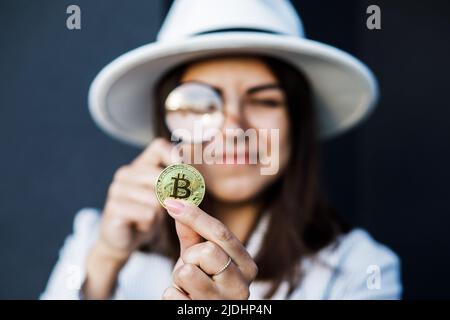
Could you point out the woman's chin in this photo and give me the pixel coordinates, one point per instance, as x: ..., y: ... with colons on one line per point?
x: 233, y: 198
x: 236, y: 190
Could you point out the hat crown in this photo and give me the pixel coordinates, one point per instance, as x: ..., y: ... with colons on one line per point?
x: 187, y: 18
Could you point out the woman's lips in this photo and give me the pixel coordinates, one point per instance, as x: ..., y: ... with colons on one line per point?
x: 237, y: 158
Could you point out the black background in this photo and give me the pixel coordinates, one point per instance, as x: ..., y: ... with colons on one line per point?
x: 390, y: 175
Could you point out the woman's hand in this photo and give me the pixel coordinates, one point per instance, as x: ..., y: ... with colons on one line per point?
x: 132, y: 209
x: 130, y: 216
x: 194, y: 274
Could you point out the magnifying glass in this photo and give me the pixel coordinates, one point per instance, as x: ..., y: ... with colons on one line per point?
x: 194, y: 112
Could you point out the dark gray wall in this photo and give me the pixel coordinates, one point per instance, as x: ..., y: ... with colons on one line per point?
x: 389, y: 176
x: 53, y: 158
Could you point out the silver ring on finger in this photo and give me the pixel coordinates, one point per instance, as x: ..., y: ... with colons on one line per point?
x: 223, y: 268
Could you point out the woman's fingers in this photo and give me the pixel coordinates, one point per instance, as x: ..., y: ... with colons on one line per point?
x: 213, y: 230
x: 207, y: 255
x: 173, y: 293
x: 131, y: 197
x: 195, y: 282
x: 210, y: 258
x: 133, y: 193
x: 138, y: 175
x: 159, y: 153
x: 141, y: 215
x: 186, y: 236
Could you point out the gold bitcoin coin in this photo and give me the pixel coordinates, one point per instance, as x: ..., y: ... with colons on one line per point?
x: 180, y: 181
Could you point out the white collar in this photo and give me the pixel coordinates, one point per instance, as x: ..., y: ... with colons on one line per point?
x: 255, y: 241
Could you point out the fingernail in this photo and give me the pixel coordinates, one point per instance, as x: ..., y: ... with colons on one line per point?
x: 176, y: 207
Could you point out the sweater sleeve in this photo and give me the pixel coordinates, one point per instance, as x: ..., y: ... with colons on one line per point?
x: 368, y: 270
x: 69, y: 273
x: 356, y: 267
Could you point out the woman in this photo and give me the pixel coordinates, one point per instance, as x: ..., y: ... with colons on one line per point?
x: 254, y: 235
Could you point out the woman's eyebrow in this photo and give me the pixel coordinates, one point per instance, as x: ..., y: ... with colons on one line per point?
x: 249, y: 91
x: 263, y: 87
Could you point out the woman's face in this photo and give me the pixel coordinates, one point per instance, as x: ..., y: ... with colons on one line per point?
x: 254, y: 103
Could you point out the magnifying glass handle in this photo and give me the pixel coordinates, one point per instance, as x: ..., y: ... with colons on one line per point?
x: 177, y: 146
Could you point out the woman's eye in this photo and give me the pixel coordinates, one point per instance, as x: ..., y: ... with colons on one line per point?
x: 268, y: 103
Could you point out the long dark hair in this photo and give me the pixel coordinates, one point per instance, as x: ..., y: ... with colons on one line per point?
x: 301, y: 222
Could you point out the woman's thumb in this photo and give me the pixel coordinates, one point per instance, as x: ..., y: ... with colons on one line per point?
x: 187, y: 236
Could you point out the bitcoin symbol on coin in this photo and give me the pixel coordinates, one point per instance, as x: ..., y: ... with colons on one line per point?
x: 186, y: 192
x: 180, y: 181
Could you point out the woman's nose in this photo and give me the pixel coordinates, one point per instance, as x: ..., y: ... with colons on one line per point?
x: 233, y: 114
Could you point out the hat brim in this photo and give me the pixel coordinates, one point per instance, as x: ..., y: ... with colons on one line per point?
x: 120, y: 97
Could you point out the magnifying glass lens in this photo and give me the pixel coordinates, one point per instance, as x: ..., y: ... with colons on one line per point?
x: 194, y: 112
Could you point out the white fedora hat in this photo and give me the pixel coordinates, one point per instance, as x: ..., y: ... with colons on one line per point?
x: 344, y: 89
